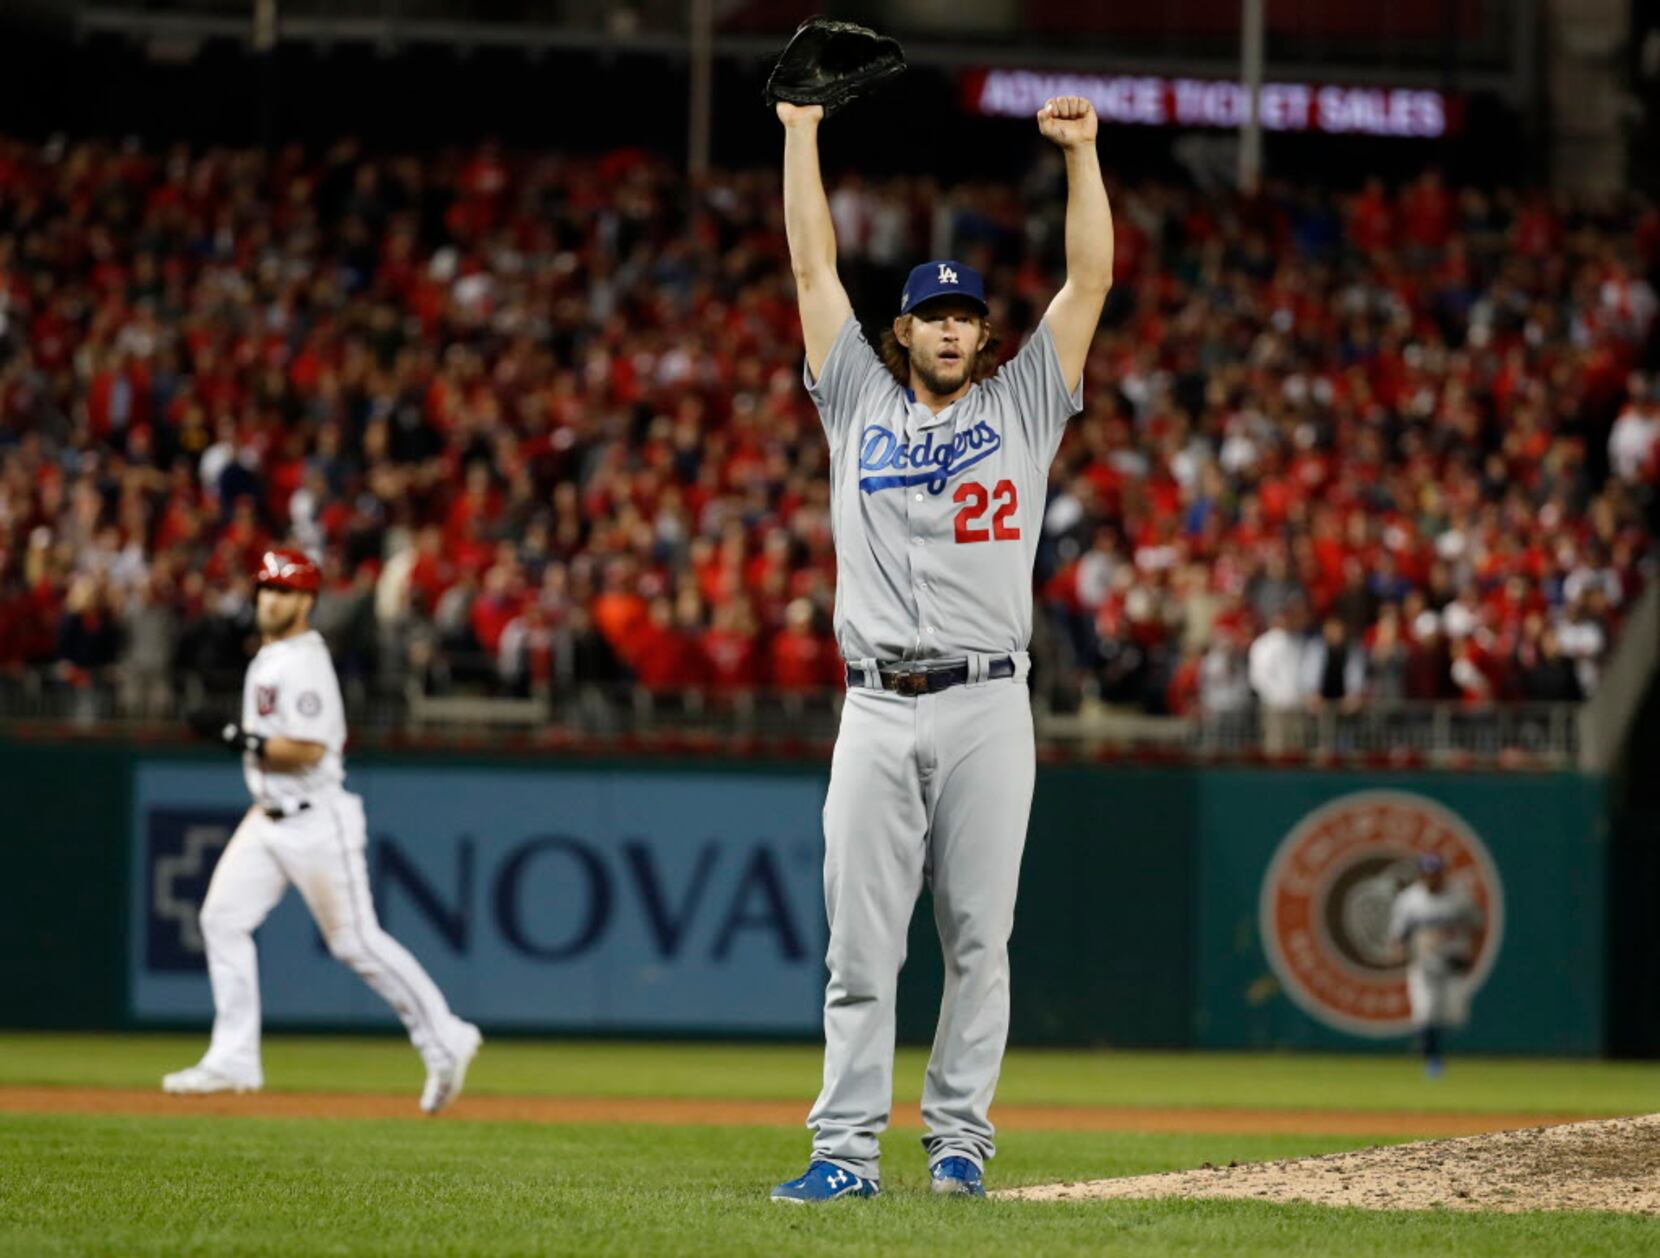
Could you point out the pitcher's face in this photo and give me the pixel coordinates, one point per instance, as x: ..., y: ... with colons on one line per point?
x: 944, y: 338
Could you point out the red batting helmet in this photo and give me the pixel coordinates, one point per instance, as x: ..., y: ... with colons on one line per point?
x: 285, y: 569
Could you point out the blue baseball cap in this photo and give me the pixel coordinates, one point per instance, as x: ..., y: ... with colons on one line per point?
x: 942, y: 279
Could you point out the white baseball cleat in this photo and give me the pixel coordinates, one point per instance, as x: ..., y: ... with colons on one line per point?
x: 444, y: 1082
x: 201, y: 1081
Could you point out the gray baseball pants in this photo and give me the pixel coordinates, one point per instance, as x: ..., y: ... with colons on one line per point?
x: 936, y: 788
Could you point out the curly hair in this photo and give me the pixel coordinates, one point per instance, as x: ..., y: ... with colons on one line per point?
x: 897, y: 359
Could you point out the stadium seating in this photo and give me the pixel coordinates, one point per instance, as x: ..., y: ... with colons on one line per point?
x: 542, y: 419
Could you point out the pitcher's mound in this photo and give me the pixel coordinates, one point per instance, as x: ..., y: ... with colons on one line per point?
x: 1608, y: 1165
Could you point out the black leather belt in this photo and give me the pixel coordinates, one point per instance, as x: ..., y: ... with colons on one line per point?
x: 918, y: 679
x: 277, y: 814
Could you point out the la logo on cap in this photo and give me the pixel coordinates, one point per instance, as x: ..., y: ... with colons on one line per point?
x: 947, y: 275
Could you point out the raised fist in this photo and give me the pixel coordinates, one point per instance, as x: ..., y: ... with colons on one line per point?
x: 1068, y: 120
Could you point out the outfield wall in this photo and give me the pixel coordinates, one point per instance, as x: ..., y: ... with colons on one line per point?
x: 1169, y: 906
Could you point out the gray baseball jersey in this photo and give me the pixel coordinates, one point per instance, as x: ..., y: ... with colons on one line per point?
x: 1437, y: 927
x: 1439, y: 930
x: 936, y: 523
x: 936, y: 517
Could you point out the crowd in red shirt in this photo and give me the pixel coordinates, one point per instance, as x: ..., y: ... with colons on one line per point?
x: 1391, y: 412
x: 542, y: 417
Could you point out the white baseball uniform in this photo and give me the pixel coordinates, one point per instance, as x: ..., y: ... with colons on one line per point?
x: 1438, y: 929
x: 304, y: 828
x: 936, y: 520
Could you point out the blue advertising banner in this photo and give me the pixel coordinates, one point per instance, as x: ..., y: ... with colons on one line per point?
x: 594, y: 899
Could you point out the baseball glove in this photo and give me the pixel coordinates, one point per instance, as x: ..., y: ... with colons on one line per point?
x: 215, y: 727
x: 831, y: 63
x: 207, y: 722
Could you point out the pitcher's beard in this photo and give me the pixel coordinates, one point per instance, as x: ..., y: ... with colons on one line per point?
x: 939, y: 384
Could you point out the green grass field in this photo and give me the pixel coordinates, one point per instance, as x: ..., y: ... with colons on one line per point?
x: 81, y: 1184
x: 791, y: 1072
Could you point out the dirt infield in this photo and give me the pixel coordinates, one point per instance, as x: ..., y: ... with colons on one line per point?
x: 1611, y: 1164
x: 727, y: 1113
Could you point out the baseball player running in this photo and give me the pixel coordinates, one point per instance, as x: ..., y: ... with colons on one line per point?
x: 303, y: 829
x: 938, y: 475
x: 1435, y: 923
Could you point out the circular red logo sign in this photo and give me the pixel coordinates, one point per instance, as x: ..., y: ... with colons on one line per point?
x: 1327, y: 895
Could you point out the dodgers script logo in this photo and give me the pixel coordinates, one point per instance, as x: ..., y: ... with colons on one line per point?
x: 925, y: 462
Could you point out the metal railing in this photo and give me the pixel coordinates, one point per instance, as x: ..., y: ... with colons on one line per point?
x: 1520, y: 735
x: 1537, y: 735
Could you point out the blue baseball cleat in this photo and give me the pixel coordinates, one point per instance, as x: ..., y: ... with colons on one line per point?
x: 824, y: 1182
x: 957, y: 1177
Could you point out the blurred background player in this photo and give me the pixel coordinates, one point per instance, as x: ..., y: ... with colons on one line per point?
x: 303, y: 828
x: 1435, y: 924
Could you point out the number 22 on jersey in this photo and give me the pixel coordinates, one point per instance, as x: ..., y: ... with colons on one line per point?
x: 975, y: 502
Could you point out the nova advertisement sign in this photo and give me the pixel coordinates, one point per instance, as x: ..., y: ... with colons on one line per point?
x: 541, y: 900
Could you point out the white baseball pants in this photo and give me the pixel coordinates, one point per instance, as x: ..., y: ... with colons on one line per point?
x: 320, y: 851
x: 1437, y: 998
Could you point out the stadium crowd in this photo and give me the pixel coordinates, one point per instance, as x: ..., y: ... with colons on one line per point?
x: 541, y: 418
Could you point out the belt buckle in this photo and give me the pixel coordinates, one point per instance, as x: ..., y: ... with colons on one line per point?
x: 911, y: 682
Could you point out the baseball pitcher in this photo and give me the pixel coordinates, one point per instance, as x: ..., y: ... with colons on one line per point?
x: 939, y: 467
x: 305, y: 829
x: 1435, y: 923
